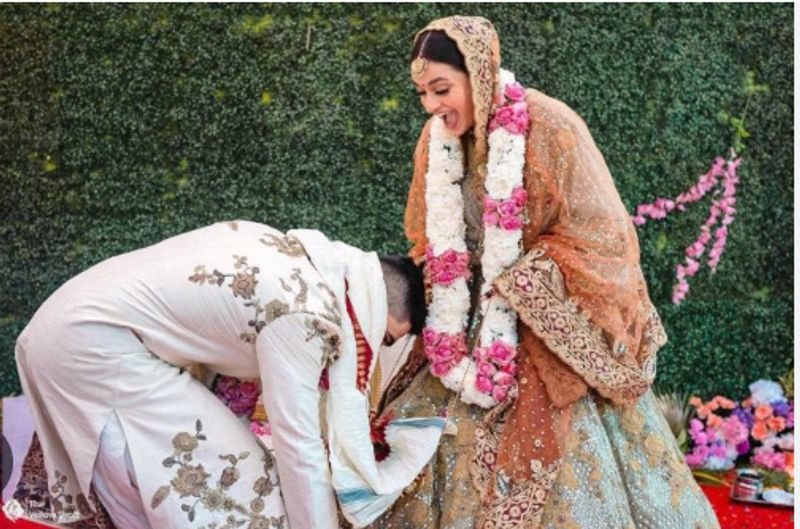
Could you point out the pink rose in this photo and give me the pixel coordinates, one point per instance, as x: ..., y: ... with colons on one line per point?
x: 450, y: 256
x: 445, y: 278
x: 504, y: 115
x: 511, y: 368
x: 242, y: 407
x: 486, y: 369
x: 481, y: 354
x: 260, y: 429
x: 518, y: 124
x: 484, y: 384
x: 491, y: 219
x: 501, y: 352
x: 515, y: 92
x: 520, y: 196
x: 440, y: 369
x: 511, y: 223
x: 509, y: 208
x: 490, y: 204
x: 499, y: 393
x: 501, y: 378
x: 250, y: 389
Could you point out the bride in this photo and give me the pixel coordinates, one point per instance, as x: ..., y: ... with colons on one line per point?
x: 541, y: 339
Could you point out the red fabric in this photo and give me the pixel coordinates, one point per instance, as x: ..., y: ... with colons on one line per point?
x: 735, y: 515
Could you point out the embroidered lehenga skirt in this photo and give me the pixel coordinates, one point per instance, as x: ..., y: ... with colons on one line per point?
x: 622, y: 469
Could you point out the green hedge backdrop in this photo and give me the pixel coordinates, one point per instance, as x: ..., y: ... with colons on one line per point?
x: 122, y: 125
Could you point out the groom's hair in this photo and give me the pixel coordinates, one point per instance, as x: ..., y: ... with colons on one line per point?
x: 405, y: 290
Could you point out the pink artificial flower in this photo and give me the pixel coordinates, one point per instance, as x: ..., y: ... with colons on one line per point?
x: 515, y: 92
x: 440, y: 369
x: 486, y: 369
x: 503, y: 116
x: 509, y: 208
x: 499, y: 393
x: 484, y: 384
x: 501, y: 352
x: 491, y: 219
x: 734, y: 431
x: 718, y: 450
x: 250, y: 389
x: 519, y: 123
x: 510, y: 368
x: 520, y: 195
x: 260, y: 429
x: 447, y: 267
x: 501, y: 378
x: 766, y: 457
x: 511, y: 223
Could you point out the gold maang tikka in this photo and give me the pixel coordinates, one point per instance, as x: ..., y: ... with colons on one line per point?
x: 418, y: 67
x: 420, y: 64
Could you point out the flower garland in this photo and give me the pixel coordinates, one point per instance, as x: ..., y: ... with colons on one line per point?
x: 725, y: 205
x: 486, y: 376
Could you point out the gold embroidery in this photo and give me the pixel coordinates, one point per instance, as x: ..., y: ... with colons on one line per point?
x: 331, y: 340
x: 331, y: 313
x: 535, y: 289
x: 191, y: 481
x: 286, y: 245
x: 302, y: 295
x: 243, y: 284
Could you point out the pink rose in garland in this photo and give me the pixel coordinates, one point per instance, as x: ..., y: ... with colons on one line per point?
x: 515, y: 92
x: 513, y: 115
x: 508, y: 213
x: 496, y: 369
x: 443, y: 350
x: 448, y: 267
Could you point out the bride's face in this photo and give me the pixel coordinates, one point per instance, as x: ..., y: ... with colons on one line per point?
x: 446, y: 92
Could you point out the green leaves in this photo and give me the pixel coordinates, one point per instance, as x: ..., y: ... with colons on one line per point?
x: 162, y: 118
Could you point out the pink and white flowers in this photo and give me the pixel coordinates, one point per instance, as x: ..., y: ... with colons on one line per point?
x: 759, y: 430
x: 486, y: 376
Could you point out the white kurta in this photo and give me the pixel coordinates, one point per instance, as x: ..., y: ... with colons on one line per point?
x: 244, y: 300
x: 241, y: 299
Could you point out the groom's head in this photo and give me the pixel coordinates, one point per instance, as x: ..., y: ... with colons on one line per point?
x: 405, y: 295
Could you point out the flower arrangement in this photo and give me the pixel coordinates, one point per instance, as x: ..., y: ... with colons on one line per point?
x: 486, y: 375
x: 758, y: 431
x: 240, y: 396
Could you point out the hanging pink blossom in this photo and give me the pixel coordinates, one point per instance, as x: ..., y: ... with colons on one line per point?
x: 722, y: 179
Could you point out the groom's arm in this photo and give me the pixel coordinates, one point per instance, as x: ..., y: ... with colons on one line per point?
x: 291, y: 356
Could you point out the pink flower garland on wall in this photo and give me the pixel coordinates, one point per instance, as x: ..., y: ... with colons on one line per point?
x: 721, y: 179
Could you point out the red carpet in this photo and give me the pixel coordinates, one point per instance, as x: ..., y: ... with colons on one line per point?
x: 731, y: 515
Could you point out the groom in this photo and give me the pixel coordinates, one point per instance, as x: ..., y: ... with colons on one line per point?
x: 100, y: 364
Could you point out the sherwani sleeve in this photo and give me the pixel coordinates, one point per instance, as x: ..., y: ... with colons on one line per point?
x: 291, y: 359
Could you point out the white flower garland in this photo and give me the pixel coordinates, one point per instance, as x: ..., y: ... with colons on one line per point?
x: 486, y: 376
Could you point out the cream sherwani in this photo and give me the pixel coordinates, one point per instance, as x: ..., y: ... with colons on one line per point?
x: 102, y: 358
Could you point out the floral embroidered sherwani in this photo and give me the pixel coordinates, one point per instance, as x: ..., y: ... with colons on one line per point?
x: 106, y: 350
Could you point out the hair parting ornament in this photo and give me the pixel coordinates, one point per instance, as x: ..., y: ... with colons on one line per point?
x: 420, y: 63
